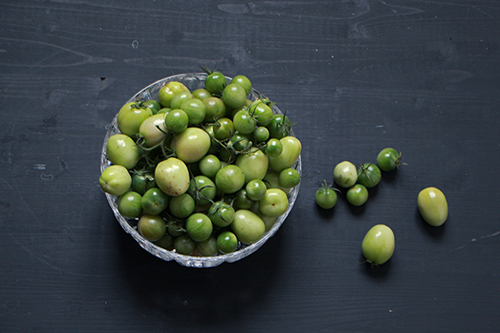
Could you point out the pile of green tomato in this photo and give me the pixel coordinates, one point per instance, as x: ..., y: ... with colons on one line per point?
x: 202, y: 172
x: 379, y: 242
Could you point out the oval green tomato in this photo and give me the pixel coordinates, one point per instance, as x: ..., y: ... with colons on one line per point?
x: 254, y: 164
x: 172, y: 176
x: 192, y: 144
x: 345, y: 174
x: 248, y: 226
x: 130, y: 118
x: 153, y: 130
x: 378, y: 244
x: 289, y: 155
x: 433, y: 206
x: 115, y: 180
x: 274, y: 203
x: 122, y: 150
x: 168, y: 91
x: 230, y: 179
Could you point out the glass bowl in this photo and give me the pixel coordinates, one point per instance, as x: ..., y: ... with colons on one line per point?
x: 192, y: 81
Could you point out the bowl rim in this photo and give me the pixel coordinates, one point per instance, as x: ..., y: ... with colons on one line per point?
x: 172, y: 255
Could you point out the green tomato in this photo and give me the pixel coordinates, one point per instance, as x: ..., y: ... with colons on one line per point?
x: 154, y: 201
x: 172, y: 176
x: 234, y: 96
x: 433, y: 206
x: 271, y: 179
x: 378, y: 244
x: 176, y: 228
x: 183, y: 244
x: 256, y: 189
x: 179, y: 99
x: 248, y: 226
x: 221, y: 214
x: 199, y: 227
x: 274, y: 147
x: 369, y: 175
x: 357, y: 195
x: 230, y: 179
x: 208, y: 247
x: 239, y: 143
x: 182, y: 205
x: 122, y: 150
x: 115, y: 180
x: 227, y: 242
x: 261, y: 134
x: 254, y: 164
x: 388, y: 159
x: 143, y: 181
x: 223, y: 129
x: 244, y: 123
x: 191, y: 145
x: 262, y: 113
x: 166, y: 242
x: 244, y: 82
x: 202, y: 189
x: 215, y: 82
x: 326, y: 196
x: 152, y: 104
x: 153, y: 130
x: 241, y: 200
x: 130, y: 118
x: 289, y: 178
x: 268, y: 220
x: 201, y: 94
x: 195, y: 109
x: 129, y: 205
x: 279, y: 127
x: 290, y: 154
x: 345, y: 174
x: 209, y: 165
x: 176, y: 121
x: 168, y: 91
x: 214, y: 109
x: 274, y: 203
x: 151, y: 227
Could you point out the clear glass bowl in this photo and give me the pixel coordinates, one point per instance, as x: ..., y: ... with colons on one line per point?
x: 193, y: 81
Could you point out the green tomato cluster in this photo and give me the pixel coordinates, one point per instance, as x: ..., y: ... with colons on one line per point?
x: 357, y: 180
x: 202, y: 172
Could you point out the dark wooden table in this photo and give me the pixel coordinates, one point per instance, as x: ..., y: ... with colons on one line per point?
x: 355, y: 76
